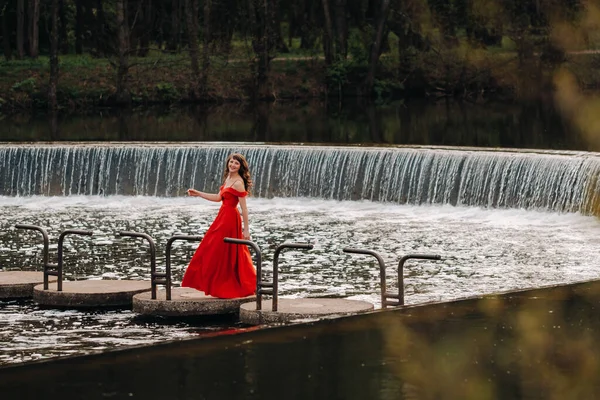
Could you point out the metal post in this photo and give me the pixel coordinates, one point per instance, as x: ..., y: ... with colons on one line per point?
x: 61, y: 239
x: 306, y: 246
x: 45, y: 256
x: 168, y: 259
x: 153, y: 274
x: 401, y: 272
x: 259, y: 283
x: 384, y: 295
x: 381, y: 270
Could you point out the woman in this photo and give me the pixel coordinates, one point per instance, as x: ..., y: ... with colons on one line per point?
x: 217, y: 268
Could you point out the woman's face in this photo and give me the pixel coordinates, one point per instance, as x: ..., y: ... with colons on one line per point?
x: 233, y: 165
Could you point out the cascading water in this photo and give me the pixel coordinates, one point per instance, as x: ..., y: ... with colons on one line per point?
x: 562, y: 182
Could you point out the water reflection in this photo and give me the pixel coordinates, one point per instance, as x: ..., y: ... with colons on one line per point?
x: 534, y: 125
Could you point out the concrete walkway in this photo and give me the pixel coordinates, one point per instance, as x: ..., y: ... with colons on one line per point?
x: 19, y: 284
x: 186, y: 302
x: 305, y: 308
x: 90, y: 293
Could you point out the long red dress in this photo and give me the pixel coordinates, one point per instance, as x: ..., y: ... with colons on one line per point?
x: 222, y: 269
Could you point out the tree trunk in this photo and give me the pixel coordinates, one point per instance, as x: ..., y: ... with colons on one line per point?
x: 174, y: 40
x: 122, y: 96
x: 341, y: 28
x: 34, y: 35
x: 293, y: 30
x: 88, y: 31
x: 206, y: 37
x: 161, y: 18
x: 20, y: 29
x: 262, y: 42
x: 78, y: 26
x: 327, y: 34
x: 307, y: 26
x: 102, y: 47
x: 52, y: 100
x: 191, y: 17
x: 6, y: 33
x: 376, y: 46
x: 256, y: 44
x: 134, y: 14
x: 146, y: 29
x: 279, y: 40
x: 63, y: 39
x: 263, y: 16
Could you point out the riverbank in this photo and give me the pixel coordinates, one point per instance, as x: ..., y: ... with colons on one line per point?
x: 476, y: 75
x: 87, y: 82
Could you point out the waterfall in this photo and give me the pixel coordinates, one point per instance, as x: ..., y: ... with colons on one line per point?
x: 562, y: 182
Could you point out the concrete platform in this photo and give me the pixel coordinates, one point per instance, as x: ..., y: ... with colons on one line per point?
x: 90, y: 293
x: 293, y: 309
x: 19, y: 284
x: 186, y: 302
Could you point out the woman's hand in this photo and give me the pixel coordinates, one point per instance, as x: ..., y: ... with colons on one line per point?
x: 193, y: 192
x: 246, y: 234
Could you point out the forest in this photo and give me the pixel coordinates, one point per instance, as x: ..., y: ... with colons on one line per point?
x: 76, y: 54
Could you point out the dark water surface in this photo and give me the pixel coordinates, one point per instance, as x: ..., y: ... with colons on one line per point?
x: 540, y: 344
x: 536, y: 125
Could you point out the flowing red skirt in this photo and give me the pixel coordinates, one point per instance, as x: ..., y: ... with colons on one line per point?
x: 222, y: 269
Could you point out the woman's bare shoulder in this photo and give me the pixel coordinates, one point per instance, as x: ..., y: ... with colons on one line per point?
x: 239, y: 186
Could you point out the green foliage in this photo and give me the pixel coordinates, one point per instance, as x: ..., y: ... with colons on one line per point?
x: 507, y: 44
x: 166, y: 91
x: 81, y: 61
x: 351, y: 71
x: 26, y: 86
x: 25, y: 65
x: 358, y: 48
x: 71, y: 92
x: 385, y: 88
x: 337, y: 74
x: 434, y: 47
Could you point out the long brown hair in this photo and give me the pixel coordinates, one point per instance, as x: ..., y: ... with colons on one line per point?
x: 244, y: 171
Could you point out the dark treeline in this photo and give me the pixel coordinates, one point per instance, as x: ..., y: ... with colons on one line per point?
x: 336, y: 30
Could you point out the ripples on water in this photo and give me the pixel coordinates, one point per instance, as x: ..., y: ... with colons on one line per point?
x: 484, y: 251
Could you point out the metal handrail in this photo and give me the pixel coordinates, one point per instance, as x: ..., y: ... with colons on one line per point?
x: 401, y: 273
x: 61, y: 240
x: 382, y: 267
x: 167, y: 276
x: 259, y: 283
x: 307, y: 246
x: 153, y: 274
x: 45, y: 256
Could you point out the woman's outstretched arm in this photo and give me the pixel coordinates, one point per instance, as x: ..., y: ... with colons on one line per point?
x: 207, y: 196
